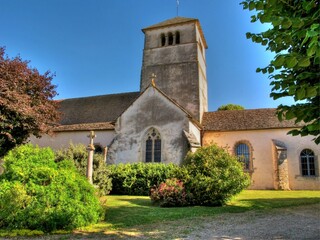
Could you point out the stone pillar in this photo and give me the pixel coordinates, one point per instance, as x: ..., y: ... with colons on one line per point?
x: 282, y: 165
x: 167, y: 40
x: 90, y: 149
x: 105, y: 153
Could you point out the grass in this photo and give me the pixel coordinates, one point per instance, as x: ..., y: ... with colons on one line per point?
x: 127, y: 212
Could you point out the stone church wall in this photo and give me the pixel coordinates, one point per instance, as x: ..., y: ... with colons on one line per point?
x: 264, y: 175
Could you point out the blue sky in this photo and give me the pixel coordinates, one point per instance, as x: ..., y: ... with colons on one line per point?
x: 95, y: 46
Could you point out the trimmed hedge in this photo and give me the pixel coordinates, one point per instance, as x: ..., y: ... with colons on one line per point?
x: 38, y: 193
x: 138, y: 178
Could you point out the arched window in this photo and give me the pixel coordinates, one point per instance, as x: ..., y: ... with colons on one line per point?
x: 307, y: 163
x: 163, y: 40
x: 177, y: 37
x: 242, y: 151
x: 153, y: 146
x: 170, y: 38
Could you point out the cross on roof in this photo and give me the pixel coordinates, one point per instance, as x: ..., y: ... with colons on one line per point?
x: 91, y: 136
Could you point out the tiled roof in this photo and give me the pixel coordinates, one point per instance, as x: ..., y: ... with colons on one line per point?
x: 96, y: 109
x: 84, y: 127
x: 252, y: 119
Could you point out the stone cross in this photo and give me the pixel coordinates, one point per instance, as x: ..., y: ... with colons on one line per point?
x: 153, y: 77
x: 90, y: 149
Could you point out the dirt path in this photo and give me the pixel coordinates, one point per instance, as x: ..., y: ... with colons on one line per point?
x: 301, y: 222
x: 289, y: 223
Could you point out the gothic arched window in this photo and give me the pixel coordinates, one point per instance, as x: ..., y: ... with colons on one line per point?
x: 153, y: 146
x: 170, y: 38
x: 243, y: 152
x: 177, y: 37
x: 307, y: 163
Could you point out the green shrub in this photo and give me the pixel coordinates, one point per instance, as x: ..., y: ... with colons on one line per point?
x: 101, y: 174
x: 170, y: 193
x: 138, y: 178
x: 38, y: 194
x: 213, y: 176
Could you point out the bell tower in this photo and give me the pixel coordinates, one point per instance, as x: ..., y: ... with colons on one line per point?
x: 174, y: 50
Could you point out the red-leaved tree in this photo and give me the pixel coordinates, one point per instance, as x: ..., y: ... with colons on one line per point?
x: 26, y: 102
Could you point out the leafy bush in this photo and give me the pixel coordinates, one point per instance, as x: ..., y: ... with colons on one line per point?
x: 79, y: 155
x: 213, y: 176
x: 138, y: 178
x: 37, y: 193
x: 170, y: 193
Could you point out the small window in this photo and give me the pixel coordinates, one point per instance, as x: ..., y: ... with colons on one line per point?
x: 170, y: 38
x: 163, y: 40
x: 153, y: 146
x: 98, y: 149
x: 307, y: 163
x: 242, y: 151
x: 177, y: 37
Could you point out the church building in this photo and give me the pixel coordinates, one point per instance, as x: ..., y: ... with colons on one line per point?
x: 169, y: 117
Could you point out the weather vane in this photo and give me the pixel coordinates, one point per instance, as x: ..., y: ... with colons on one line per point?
x: 178, y: 8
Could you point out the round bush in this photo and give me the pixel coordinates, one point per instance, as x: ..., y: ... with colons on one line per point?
x: 37, y: 193
x: 213, y: 176
x: 170, y: 193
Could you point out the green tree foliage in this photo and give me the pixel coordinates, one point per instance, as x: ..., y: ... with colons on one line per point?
x: 213, y: 176
x: 230, y: 107
x: 79, y: 155
x: 294, y: 71
x: 38, y: 193
x: 26, y: 105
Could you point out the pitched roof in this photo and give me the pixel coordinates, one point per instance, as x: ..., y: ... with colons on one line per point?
x: 171, y: 21
x: 96, y: 109
x: 176, y: 21
x: 252, y: 119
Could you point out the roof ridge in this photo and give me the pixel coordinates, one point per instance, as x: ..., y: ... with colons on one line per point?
x: 95, y: 96
x: 242, y: 110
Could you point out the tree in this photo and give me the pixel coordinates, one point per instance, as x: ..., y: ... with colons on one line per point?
x: 26, y: 102
x: 230, y: 107
x: 294, y: 71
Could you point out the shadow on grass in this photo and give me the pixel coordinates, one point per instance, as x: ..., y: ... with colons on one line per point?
x: 128, y: 217
x: 141, y: 211
x: 127, y: 222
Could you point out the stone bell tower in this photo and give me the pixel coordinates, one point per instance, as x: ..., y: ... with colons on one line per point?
x: 174, y: 50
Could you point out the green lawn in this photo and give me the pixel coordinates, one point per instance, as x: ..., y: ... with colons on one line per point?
x: 125, y: 212
x: 128, y: 211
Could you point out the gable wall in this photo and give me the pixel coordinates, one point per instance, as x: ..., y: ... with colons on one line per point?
x: 151, y: 109
x: 264, y: 174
